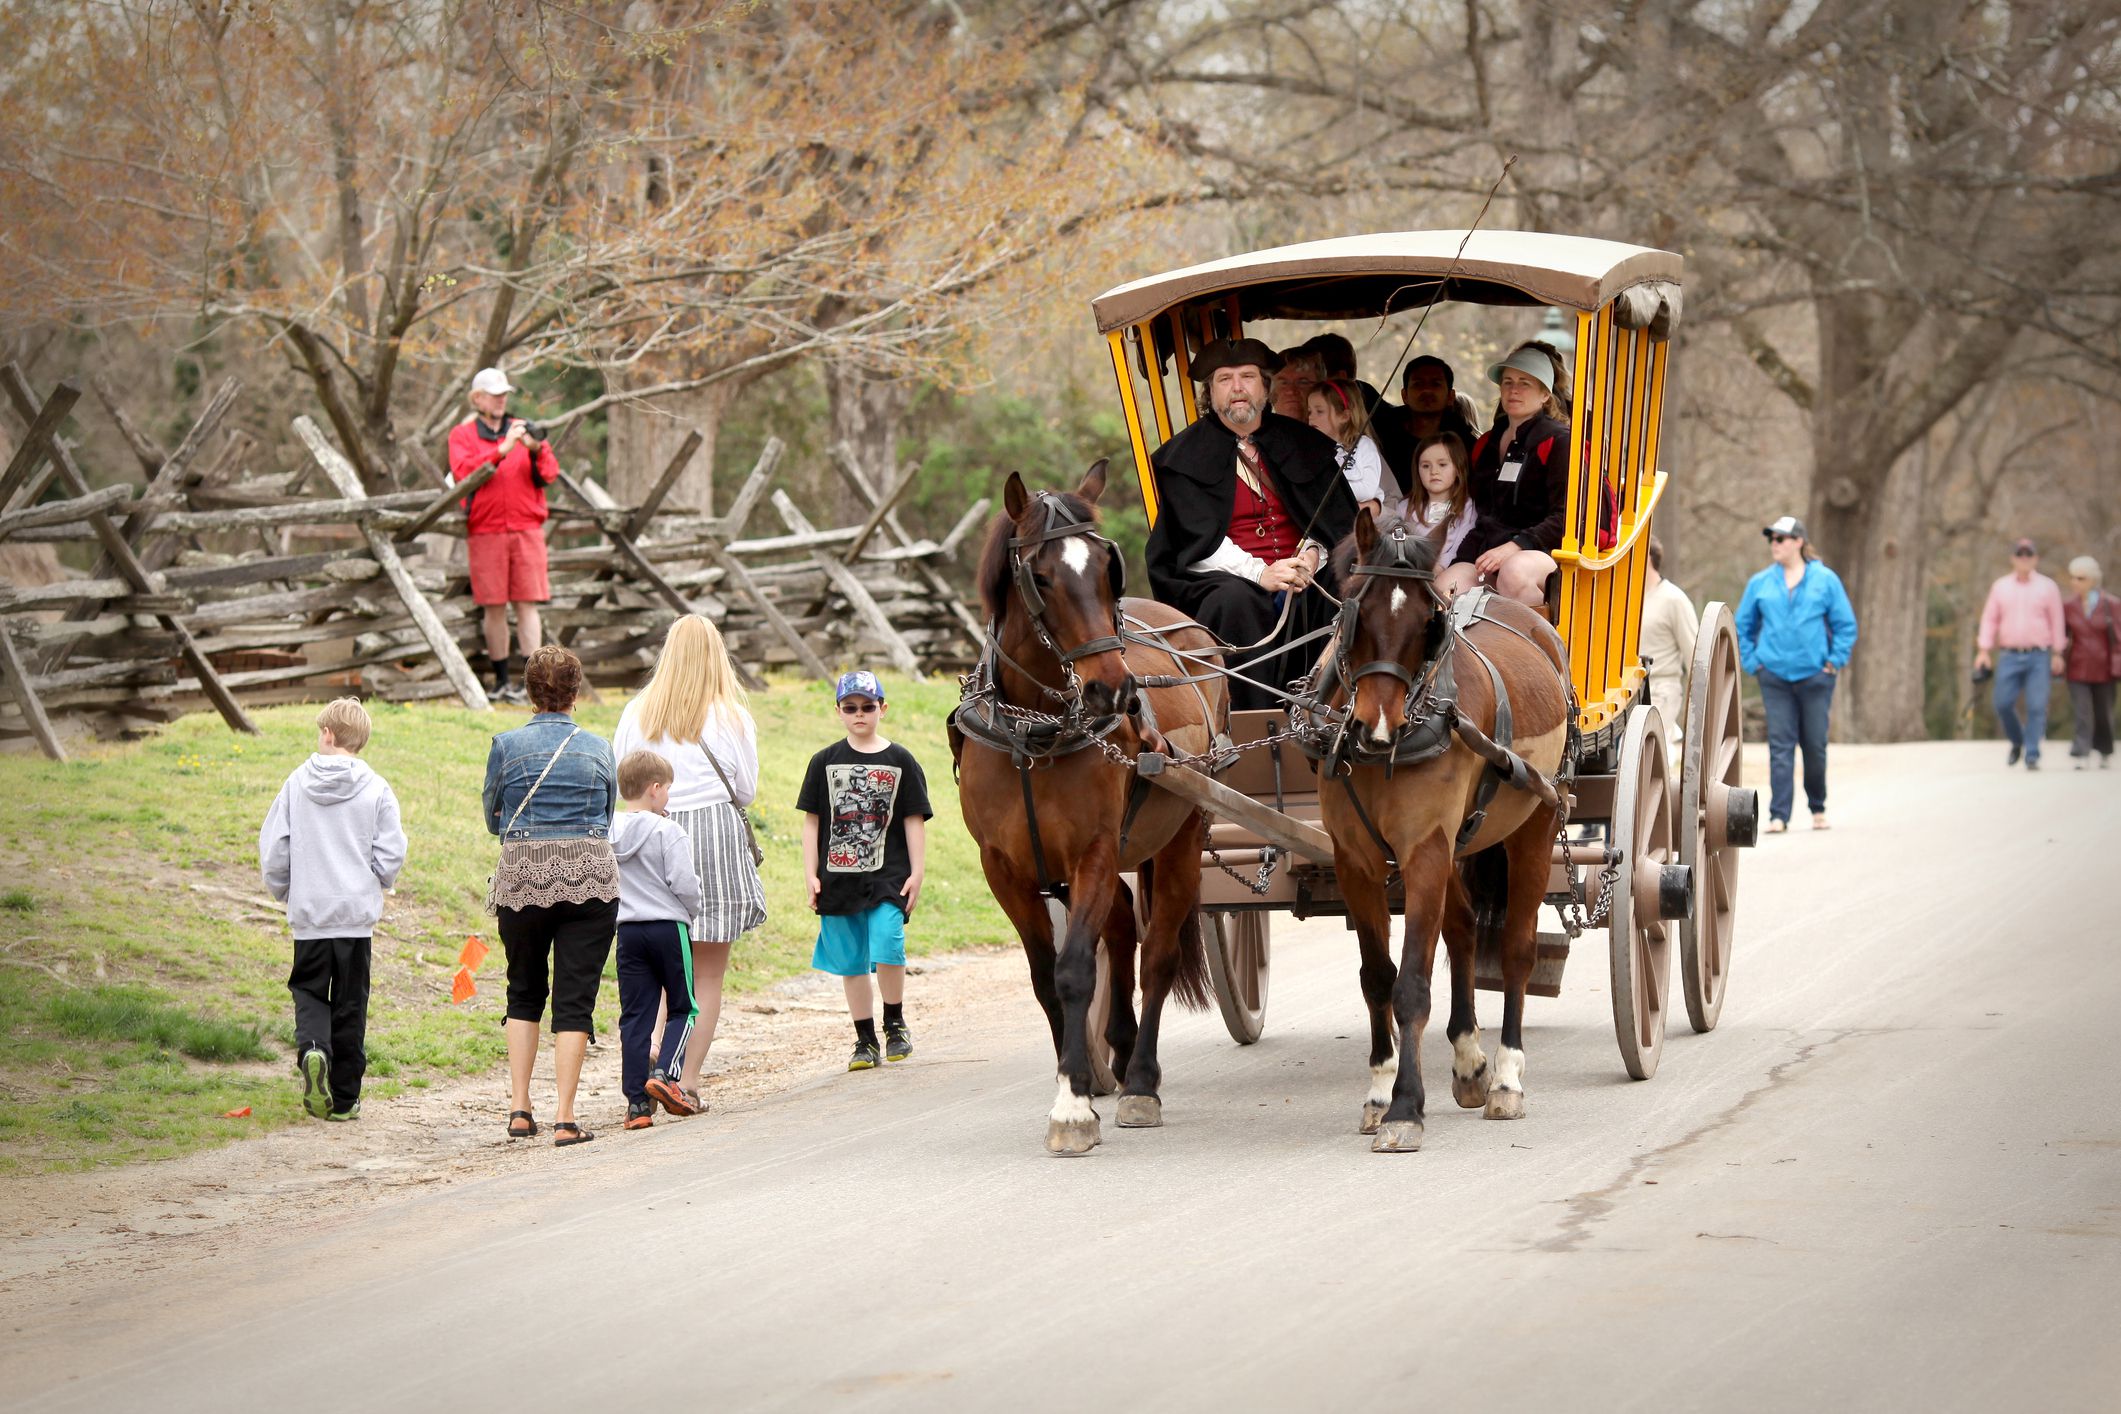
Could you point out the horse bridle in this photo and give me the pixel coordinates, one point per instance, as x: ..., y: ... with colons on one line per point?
x: 1399, y: 566
x: 1061, y: 523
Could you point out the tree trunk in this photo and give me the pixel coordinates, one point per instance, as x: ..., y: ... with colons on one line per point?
x: 866, y: 413
x: 1882, y: 698
x: 645, y: 436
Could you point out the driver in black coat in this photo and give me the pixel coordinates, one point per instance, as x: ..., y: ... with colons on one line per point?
x: 1250, y: 502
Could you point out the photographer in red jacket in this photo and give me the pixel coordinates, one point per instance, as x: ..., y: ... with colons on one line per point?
x: 505, y: 530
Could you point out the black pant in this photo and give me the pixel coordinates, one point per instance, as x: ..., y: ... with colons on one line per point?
x: 329, y: 983
x: 1241, y: 613
x: 575, y: 938
x: 655, y: 963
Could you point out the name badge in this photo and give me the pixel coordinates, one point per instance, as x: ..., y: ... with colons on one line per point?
x: 1510, y: 470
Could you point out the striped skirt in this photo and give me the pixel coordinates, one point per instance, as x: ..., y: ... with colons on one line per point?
x: 732, y: 900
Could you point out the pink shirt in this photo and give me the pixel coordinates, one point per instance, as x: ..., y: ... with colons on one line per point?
x: 2022, y: 614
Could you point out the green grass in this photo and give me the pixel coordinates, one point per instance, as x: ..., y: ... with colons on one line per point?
x: 142, y: 968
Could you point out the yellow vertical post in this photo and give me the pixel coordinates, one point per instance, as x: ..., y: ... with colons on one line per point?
x: 1182, y: 365
x: 1602, y: 672
x: 1575, y: 582
x: 1118, y: 343
x: 1653, y: 431
x: 1144, y: 333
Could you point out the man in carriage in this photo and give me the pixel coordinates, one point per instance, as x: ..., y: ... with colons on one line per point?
x: 1251, y: 503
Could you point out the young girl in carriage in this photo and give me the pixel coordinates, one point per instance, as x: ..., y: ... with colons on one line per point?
x: 1439, y: 502
x: 1335, y: 407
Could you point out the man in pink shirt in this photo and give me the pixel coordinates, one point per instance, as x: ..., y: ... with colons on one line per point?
x: 2022, y: 625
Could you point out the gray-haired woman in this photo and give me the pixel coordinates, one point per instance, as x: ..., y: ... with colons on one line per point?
x: 2092, y: 623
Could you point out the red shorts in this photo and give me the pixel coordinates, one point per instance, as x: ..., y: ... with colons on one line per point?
x: 508, y: 567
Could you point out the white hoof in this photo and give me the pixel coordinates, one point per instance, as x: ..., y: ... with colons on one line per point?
x: 1069, y: 1138
x: 1506, y: 1104
x: 1372, y: 1116
x: 1140, y: 1112
x: 1398, y: 1136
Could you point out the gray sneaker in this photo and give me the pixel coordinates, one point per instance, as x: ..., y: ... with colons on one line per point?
x: 515, y: 694
x: 898, y: 1041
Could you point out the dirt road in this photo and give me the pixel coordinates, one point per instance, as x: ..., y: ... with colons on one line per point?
x: 1891, y: 1179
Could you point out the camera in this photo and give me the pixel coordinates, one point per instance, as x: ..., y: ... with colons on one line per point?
x: 532, y: 432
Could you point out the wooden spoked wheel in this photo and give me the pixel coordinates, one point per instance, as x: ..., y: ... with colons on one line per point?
x: 1237, y: 965
x: 1640, y: 943
x: 1710, y: 771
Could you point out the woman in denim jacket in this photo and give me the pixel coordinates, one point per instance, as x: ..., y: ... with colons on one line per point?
x: 556, y: 889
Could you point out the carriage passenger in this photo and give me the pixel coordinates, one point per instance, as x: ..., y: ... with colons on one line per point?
x: 1374, y: 415
x: 1519, y: 480
x: 1441, y: 502
x: 1335, y: 408
x: 1251, y: 500
x: 1299, y: 370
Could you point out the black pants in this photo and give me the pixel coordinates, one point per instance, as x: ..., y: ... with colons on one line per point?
x: 573, y: 939
x: 1241, y: 613
x: 329, y: 983
x: 655, y: 964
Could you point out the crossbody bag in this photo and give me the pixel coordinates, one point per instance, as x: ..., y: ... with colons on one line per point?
x: 491, y: 905
x: 751, y: 839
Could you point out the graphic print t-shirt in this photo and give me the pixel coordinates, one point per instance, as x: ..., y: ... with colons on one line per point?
x: 862, y: 799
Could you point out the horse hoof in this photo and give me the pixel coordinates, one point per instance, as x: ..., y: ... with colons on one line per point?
x: 1372, y: 1116
x: 1071, y: 1137
x: 1397, y: 1136
x: 1471, y: 1091
x: 1141, y: 1112
x: 1506, y: 1104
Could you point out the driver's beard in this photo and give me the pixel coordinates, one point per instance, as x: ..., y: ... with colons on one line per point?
x: 1257, y: 410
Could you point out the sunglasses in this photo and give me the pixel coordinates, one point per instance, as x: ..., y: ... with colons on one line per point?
x: 1783, y: 539
x: 856, y: 709
x: 2023, y: 555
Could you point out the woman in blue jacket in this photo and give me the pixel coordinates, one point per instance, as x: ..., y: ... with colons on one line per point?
x: 1795, y: 633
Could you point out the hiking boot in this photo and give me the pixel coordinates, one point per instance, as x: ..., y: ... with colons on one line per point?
x: 640, y: 1114
x: 673, y: 1098
x: 865, y: 1056
x: 351, y: 1112
x: 315, y: 1070
x: 898, y: 1041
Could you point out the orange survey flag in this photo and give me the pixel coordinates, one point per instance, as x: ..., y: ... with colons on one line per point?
x: 463, y: 987
x: 474, y: 953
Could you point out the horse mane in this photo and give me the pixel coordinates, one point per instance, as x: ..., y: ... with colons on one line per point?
x: 995, y: 569
x: 1421, y: 549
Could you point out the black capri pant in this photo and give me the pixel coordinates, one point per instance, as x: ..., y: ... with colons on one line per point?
x: 576, y: 937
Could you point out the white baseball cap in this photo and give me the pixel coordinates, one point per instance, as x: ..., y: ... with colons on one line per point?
x: 491, y: 380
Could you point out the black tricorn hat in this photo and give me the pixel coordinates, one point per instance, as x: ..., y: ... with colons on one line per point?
x: 1234, y: 353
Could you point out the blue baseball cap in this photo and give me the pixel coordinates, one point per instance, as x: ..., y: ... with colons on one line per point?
x: 859, y: 683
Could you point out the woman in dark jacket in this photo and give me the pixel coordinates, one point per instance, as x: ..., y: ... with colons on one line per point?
x: 2092, y: 623
x: 551, y: 788
x: 1519, y: 482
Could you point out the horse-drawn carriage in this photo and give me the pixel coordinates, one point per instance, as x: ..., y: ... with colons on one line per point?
x: 1625, y: 847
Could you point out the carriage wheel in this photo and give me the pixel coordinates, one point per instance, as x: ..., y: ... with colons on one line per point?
x: 1237, y: 964
x: 1640, y: 943
x: 1716, y: 814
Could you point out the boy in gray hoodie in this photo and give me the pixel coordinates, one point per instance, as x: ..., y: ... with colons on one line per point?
x: 330, y: 845
x: 659, y: 895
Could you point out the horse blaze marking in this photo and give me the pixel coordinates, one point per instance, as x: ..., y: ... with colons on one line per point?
x: 1399, y: 599
x: 1075, y: 554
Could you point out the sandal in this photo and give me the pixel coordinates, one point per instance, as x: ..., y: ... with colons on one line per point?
x: 527, y: 1118
x: 1819, y: 821
x: 566, y: 1134
x: 1778, y: 827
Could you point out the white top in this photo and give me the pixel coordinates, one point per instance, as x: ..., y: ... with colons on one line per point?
x: 1365, y: 469
x: 697, y: 786
x: 1669, y: 628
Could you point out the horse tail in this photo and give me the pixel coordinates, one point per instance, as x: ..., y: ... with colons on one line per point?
x: 1190, y: 985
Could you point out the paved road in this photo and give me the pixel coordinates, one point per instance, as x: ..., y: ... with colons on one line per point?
x: 1890, y: 1180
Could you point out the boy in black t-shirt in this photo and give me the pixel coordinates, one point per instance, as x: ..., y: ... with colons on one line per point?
x: 865, y: 866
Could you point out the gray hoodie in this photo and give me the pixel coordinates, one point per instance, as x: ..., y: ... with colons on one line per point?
x: 330, y: 845
x: 657, y: 882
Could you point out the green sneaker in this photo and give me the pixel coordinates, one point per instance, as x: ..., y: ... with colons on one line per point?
x: 316, y: 1082
x: 341, y: 1116
x: 865, y: 1056
x: 898, y: 1041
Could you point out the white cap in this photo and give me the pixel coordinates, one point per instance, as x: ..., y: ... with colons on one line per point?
x: 491, y: 380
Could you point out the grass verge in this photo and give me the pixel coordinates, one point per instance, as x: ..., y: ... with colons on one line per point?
x: 143, y: 969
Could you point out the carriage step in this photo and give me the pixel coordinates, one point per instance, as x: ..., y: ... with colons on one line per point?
x: 1546, y: 967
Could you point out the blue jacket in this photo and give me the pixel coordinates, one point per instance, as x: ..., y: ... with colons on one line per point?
x: 577, y: 799
x: 1794, y: 633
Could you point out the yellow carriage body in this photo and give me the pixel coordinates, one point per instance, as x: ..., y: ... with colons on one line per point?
x: 1626, y: 302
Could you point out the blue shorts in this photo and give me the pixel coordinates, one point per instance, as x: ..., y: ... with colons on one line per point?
x: 856, y: 944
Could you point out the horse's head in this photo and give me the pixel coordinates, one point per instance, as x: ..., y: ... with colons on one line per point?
x: 1051, y: 585
x: 1388, y: 621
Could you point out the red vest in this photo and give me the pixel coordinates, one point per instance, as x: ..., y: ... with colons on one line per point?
x: 1259, y: 525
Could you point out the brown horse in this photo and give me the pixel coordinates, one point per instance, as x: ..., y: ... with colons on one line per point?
x: 1057, y: 817
x: 1421, y: 787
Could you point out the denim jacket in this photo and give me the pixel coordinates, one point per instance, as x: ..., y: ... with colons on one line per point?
x: 578, y: 797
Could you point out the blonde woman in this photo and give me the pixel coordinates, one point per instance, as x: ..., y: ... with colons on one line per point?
x: 692, y: 714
